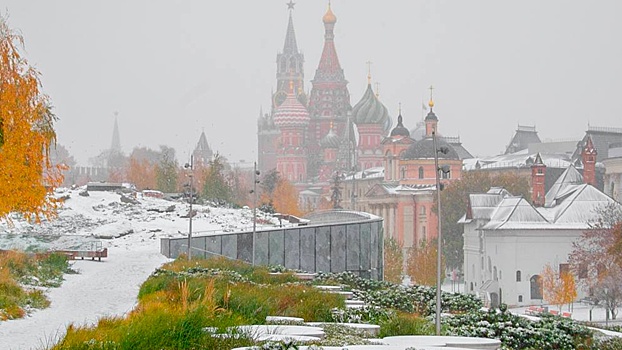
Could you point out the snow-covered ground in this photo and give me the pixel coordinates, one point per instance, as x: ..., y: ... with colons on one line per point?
x: 132, y: 235
x: 108, y: 288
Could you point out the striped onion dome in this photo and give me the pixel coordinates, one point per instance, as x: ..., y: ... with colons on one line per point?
x: 331, y: 140
x: 291, y: 113
x: 369, y: 110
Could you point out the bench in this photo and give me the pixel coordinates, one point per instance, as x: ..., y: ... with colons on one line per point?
x: 534, y: 310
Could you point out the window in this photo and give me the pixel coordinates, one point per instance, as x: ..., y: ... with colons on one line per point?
x: 421, y: 172
x: 403, y: 170
x: 423, y: 233
x: 422, y: 211
x: 535, y: 286
x: 518, y: 276
x: 520, y: 298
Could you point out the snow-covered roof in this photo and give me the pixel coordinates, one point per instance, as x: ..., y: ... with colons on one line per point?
x: 570, y: 176
x: 520, y: 159
x: 514, y: 212
x: 573, y: 206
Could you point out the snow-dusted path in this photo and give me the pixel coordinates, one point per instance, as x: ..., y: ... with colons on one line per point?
x: 101, y: 289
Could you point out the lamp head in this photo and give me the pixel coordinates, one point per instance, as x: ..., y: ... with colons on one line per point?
x: 443, y: 150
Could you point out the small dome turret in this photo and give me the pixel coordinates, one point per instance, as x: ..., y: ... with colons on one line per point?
x: 331, y: 140
x: 329, y: 17
x: 400, y: 130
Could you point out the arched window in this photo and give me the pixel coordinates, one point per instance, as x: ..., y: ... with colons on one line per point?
x: 518, y: 276
x: 421, y: 172
x: 535, y: 285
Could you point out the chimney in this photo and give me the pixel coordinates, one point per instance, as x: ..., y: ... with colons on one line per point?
x: 588, y: 157
x: 538, y: 174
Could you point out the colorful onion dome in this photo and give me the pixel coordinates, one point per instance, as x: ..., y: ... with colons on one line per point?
x: 329, y: 17
x: 369, y: 110
x: 331, y: 140
x: 291, y: 113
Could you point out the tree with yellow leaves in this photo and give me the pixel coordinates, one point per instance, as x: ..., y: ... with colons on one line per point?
x: 26, y: 134
x: 393, y: 260
x: 279, y: 194
x: 558, y: 288
x: 421, y: 263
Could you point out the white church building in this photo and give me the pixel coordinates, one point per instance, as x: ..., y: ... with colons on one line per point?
x: 508, y: 241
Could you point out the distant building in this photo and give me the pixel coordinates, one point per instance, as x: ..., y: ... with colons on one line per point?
x: 523, y: 136
x: 613, y: 171
x: 508, y: 241
x: 557, y: 156
x: 402, y: 191
x: 312, y: 139
x: 202, y: 153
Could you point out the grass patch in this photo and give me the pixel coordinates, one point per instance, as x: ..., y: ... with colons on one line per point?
x: 402, y: 323
x: 20, y: 273
x: 180, y: 300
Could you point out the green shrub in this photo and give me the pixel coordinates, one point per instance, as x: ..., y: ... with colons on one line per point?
x: 401, y: 323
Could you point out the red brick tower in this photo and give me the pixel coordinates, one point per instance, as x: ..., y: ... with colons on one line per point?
x: 588, y: 156
x: 289, y: 68
x: 329, y: 101
x: 292, y: 119
x: 538, y: 175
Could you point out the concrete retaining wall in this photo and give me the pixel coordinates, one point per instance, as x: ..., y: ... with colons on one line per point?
x: 337, y: 247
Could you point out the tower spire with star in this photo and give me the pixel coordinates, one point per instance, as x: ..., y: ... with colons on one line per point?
x: 289, y: 62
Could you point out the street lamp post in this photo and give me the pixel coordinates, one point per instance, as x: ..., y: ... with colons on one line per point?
x: 606, y: 307
x: 255, y: 182
x: 190, y: 215
x: 439, y: 246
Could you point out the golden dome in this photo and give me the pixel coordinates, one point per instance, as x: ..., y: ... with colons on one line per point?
x: 329, y: 17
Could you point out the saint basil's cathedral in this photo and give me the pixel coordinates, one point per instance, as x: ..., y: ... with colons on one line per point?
x: 310, y: 138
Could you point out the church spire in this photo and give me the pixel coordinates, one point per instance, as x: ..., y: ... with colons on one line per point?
x: 115, y: 145
x: 290, y: 46
x: 290, y: 63
x: 329, y: 62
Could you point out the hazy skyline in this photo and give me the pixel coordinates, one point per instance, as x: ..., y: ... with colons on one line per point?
x: 174, y: 68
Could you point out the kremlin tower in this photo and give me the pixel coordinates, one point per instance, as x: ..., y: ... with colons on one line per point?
x: 292, y: 119
x: 329, y: 102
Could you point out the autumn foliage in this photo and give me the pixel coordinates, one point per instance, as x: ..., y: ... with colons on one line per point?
x: 558, y: 288
x: 281, y: 194
x: 26, y: 135
x: 393, y: 260
x: 422, y: 263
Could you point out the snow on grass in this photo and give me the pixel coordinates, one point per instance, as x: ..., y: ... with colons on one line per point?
x: 132, y: 235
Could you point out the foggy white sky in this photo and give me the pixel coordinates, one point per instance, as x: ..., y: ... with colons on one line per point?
x: 171, y: 68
